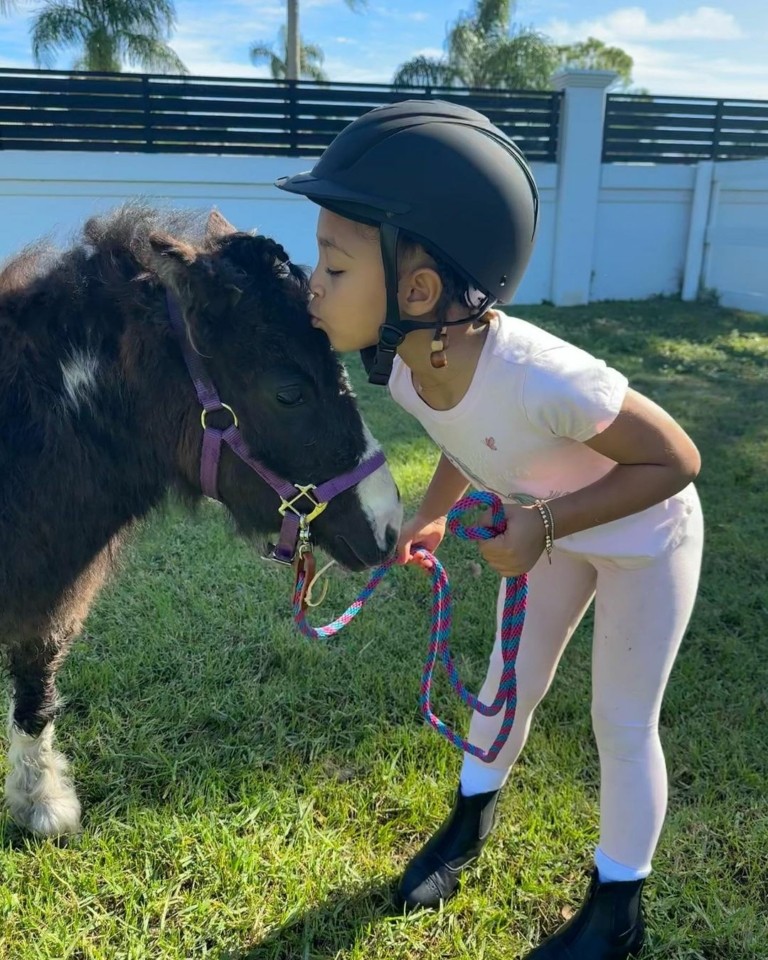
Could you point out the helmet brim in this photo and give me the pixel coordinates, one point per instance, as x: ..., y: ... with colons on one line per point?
x: 321, y: 191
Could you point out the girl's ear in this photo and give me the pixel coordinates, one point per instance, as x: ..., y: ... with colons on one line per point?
x: 420, y: 291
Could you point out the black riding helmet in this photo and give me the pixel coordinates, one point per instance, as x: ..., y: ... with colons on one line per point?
x: 448, y: 177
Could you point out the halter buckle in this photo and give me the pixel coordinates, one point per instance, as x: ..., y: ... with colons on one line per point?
x: 305, y: 490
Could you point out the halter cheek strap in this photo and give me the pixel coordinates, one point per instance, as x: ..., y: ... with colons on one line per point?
x: 300, y: 504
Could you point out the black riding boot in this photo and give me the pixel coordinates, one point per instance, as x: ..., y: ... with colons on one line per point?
x: 608, y: 926
x: 433, y: 874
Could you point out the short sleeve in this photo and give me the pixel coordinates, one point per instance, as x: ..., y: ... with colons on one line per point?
x: 569, y: 393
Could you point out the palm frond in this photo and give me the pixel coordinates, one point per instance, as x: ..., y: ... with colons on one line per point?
x: 262, y: 52
x: 311, y: 58
x: 492, y: 18
x: 525, y: 61
x: 594, y: 54
x: 311, y: 71
x: 150, y: 53
x: 259, y: 52
x: 108, y: 33
x: 141, y: 16
x: 278, y: 67
x: 54, y: 28
x: 425, y: 72
x: 101, y: 51
x: 311, y: 53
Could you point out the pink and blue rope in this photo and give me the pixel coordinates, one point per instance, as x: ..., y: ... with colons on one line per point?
x: 513, y: 618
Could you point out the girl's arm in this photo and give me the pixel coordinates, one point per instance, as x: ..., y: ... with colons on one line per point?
x: 655, y: 458
x: 446, y: 487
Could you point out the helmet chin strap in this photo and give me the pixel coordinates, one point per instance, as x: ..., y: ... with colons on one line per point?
x: 378, y: 360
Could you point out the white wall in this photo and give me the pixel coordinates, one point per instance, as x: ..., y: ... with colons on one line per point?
x: 643, y: 219
x: 736, y: 239
x: 51, y: 193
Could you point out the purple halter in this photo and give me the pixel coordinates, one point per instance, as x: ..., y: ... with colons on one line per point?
x: 296, y: 515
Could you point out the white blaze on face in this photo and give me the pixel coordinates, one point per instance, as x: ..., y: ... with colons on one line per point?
x: 78, y: 372
x: 378, y: 496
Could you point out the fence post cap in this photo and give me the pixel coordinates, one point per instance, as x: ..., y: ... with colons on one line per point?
x: 567, y: 77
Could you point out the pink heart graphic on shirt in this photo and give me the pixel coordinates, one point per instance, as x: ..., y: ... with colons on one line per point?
x: 490, y: 443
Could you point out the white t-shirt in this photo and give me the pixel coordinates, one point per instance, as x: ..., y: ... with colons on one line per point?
x: 519, y: 431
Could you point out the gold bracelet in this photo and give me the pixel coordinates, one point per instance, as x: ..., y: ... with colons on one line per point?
x: 549, y: 525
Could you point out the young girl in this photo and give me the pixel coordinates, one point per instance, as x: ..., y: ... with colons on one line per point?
x: 428, y: 215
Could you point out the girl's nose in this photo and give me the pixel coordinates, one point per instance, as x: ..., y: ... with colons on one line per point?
x: 314, y: 284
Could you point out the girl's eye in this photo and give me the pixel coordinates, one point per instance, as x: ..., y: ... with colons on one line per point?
x: 333, y: 273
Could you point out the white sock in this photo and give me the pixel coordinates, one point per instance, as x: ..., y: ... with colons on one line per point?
x: 478, y: 777
x: 610, y: 871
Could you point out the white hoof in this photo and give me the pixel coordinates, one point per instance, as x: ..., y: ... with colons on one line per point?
x: 39, y: 791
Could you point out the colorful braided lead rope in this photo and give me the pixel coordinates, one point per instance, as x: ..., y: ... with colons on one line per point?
x: 513, y: 617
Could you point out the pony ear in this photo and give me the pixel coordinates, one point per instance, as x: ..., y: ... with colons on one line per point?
x: 171, y: 258
x: 218, y: 226
x: 175, y: 263
x: 191, y: 277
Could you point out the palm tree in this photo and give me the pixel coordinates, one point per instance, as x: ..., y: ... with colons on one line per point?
x: 293, y: 44
x: 310, y: 60
x: 485, y: 49
x: 108, y: 33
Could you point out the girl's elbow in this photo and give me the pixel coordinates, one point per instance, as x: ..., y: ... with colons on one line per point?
x: 690, y: 465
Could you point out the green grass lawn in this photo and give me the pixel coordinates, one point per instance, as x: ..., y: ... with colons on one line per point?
x: 250, y: 794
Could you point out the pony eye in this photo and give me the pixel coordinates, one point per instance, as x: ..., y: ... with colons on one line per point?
x: 290, y: 396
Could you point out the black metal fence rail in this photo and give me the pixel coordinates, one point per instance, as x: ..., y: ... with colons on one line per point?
x: 51, y: 110
x: 154, y: 113
x: 683, y: 130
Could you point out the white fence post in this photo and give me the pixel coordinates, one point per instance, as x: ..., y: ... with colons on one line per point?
x: 578, y: 181
x: 697, y: 234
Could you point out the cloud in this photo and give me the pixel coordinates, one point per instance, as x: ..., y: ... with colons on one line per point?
x: 677, y: 56
x: 219, y: 45
x: 345, y: 71
x: 688, y: 74
x: 390, y: 13
x: 632, y: 24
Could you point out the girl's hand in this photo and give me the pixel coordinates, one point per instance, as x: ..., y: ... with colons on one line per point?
x: 517, y: 549
x: 418, y: 532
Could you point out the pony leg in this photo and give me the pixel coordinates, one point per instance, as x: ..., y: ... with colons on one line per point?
x: 39, y: 791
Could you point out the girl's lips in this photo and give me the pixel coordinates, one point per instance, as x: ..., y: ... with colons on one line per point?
x: 315, y: 321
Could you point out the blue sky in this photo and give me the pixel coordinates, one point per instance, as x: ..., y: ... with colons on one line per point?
x: 679, y: 47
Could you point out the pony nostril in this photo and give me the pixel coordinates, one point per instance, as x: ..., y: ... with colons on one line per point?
x: 390, y: 540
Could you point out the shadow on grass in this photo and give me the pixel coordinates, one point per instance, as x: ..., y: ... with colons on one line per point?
x: 13, y: 837
x: 322, y: 932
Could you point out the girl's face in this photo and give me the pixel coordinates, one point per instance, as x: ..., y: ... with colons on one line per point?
x: 348, y: 290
